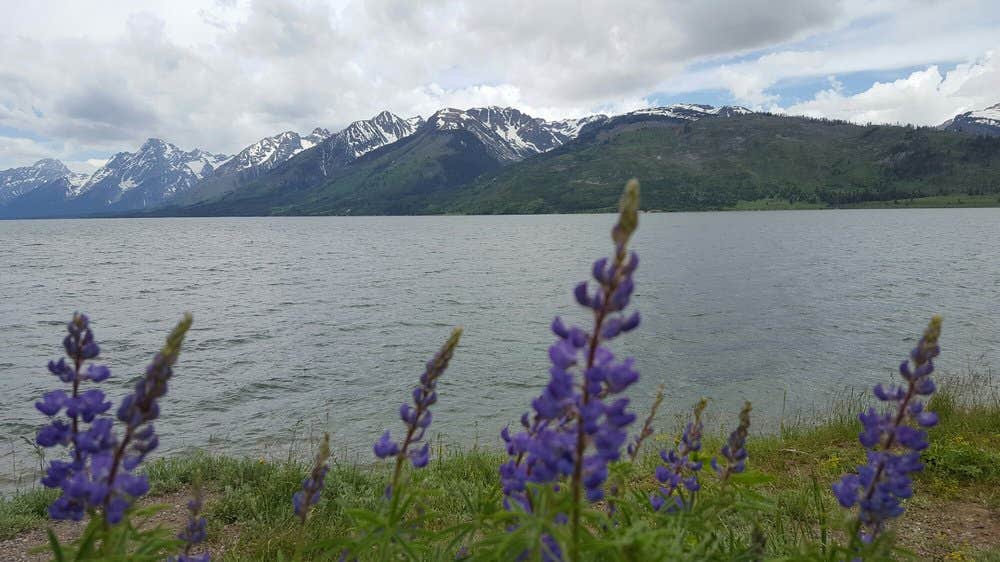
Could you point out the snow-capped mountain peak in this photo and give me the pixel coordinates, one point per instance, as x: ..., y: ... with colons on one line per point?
x: 991, y: 114
x: 204, y: 163
x: 156, y: 144
x: 571, y: 127
x: 979, y: 122
x: 691, y: 111
x: 51, y: 165
x: 16, y: 182
x: 317, y: 136
x: 157, y: 172
x: 448, y: 119
x: 361, y: 137
x: 385, y: 128
x: 509, y: 134
x: 267, y: 153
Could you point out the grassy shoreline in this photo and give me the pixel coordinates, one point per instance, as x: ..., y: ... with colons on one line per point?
x: 954, y: 515
x: 960, y: 201
x: 935, y: 202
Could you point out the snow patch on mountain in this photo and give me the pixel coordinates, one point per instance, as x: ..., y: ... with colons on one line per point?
x: 990, y: 115
x: 361, y: 137
x: 509, y: 134
x: 385, y: 128
x: 203, y: 163
x: 75, y: 179
x: 158, y: 171
x: 691, y: 111
x: 570, y: 128
x: 16, y: 182
x: 980, y: 122
x: 267, y: 153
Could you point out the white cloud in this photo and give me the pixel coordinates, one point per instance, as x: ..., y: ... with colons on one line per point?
x: 94, y: 79
x: 428, y: 99
x: 885, y: 35
x: 925, y: 97
x: 23, y: 151
x: 88, y: 166
x: 222, y: 75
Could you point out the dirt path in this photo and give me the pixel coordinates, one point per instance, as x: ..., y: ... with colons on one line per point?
x: 20, y: 547
x: 950, y: 530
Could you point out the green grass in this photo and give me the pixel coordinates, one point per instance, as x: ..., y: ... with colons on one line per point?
x: 932, y: 202
x: 774, y: 204
x: 250, y: 513
x: 953, y: 200
x: 23, y: 511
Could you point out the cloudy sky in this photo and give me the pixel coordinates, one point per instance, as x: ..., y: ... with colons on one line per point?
x: 80, y: 81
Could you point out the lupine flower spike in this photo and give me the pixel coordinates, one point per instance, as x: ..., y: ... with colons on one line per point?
x: 734, y: 452
x: 647, y: 426
x: 572, y: 416
x: 138, y: 411
x: 100, y: 474
x: 79, y: 491
x: 894, y: 440
x: 680, y: 471
x: 312, y: 486
x: 194, y: 532
x: 417, y: 418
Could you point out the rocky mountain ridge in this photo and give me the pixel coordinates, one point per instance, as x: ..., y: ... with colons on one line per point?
x: 17, y: 182
x: 446, y: 150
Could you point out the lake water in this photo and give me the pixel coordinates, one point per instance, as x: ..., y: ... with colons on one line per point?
x: 311, y: 324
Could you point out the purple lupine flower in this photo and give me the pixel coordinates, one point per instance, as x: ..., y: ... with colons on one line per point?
x: 385, y: 447
x: 194, y: 532
x: 550, y: 549
x: 734, y: 452
x: 578, y: 425
x: 312, y: 486
x: 680, y: 471
x: 81, y: 491
x: 417, y: 418
x: 99, y: 474
x: 894, y: 440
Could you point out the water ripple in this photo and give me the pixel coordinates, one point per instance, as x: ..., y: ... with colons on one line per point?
x: 329, y: 320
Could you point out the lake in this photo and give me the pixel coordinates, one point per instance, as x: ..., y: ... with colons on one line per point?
x: 311, y: 324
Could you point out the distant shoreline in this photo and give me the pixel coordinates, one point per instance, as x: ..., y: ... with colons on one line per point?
x: 935, y: 202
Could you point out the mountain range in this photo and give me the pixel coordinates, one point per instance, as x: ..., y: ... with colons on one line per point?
x: 501, y: 160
